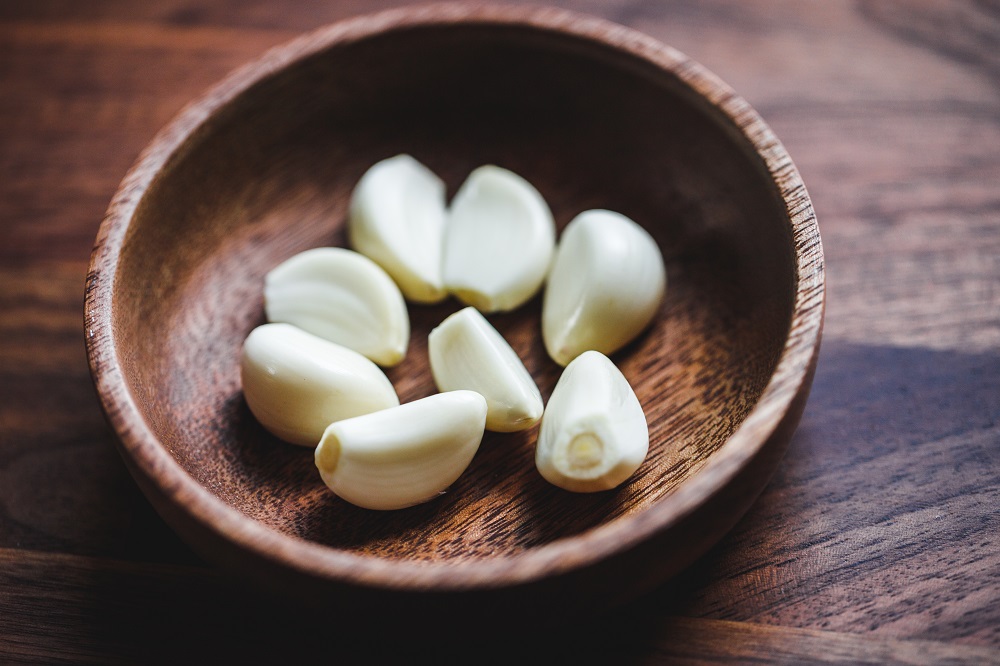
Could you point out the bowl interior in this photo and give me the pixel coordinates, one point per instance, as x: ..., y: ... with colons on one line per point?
x: 270, y: 174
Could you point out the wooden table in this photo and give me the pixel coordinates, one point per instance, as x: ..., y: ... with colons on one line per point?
x: 878, y: 539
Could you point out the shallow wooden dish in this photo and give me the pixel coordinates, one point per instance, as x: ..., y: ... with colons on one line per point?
x: 596, y: 116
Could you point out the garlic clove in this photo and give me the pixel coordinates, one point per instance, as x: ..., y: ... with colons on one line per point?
x: 467, y: 352
x: 606, y: 285
x: 402, y: 456
x: 593, y: 434
x: 397, y: 218
x: 498, y: 242
x: 296, y: 383
x: 344, y: 297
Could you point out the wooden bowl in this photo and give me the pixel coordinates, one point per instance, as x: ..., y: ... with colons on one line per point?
x: 596, y: 116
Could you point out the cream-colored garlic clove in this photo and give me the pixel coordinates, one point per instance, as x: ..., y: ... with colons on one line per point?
x: 397, y: 218
x: 498, y: 242
x: 606, y: 285
x: 296, y: 383
x: 593, y: 434
x: 402, y: 456
x: 467, y: 352
x: 344, y: 297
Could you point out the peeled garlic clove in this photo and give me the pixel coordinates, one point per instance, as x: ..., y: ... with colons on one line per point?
x: 466, y: 352
x: 341, y: 296
x: 606, y: 285
x: 498, y: 242
x: 593, y: 434
x: 296, y: 384
x: 397, y: 218
x: 402, y: 456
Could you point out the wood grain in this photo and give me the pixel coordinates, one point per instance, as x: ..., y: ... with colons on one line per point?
x: 100, y: 610
x: 893, y: 118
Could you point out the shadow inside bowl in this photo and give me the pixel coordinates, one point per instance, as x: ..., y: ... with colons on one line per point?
x: 271, y: 175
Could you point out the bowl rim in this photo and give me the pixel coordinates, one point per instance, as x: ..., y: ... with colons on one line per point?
x: 148, y: 457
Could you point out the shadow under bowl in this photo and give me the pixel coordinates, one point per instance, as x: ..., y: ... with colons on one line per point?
x: 595, y: 116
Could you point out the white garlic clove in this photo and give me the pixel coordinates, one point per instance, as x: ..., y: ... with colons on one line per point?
x: 402, y: 456
x: 341, y: 296
x: 467, y: 352
x: 593, y: 434
x: 397, y: 218
x: 606, y: 285
x: 296, y: 383
x: 498, y: 242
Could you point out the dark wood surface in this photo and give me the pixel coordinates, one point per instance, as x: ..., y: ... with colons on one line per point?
x: 876, y: 541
